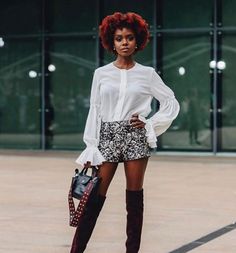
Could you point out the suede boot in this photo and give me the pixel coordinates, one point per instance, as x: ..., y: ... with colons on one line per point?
x: 134, y: 207
x: 86, y: 225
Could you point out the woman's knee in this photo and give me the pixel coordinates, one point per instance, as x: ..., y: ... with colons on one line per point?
x: 135, y: 171
x: 106, y: 173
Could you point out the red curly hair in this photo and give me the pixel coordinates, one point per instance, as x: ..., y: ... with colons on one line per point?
x: 120, y: 20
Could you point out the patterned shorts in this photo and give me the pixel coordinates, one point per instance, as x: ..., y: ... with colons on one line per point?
x: 119, y: 142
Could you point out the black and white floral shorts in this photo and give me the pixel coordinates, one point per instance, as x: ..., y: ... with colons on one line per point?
x: 119, y: 141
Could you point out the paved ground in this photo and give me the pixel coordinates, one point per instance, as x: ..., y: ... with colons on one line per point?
x: 186, y: 198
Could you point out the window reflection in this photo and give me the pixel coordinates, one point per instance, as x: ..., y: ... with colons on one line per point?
x: 228, y: 112
x: 73, y: 62
x: 185, y: 71
x: 19, y: 94
x: 2, y: 43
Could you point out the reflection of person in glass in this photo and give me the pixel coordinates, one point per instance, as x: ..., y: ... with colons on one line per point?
x: 193, y: 117
x: 117, y: 129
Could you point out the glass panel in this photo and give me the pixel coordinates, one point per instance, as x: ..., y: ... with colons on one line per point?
x: 186, y: 71
x: 17, y: 17
x: 229, y: 7
x: 228, y: 92
x: 145, y: 56
x: 71, y: 16
x: 180, y: 14
x: 74, y: 60
x: 143, y: 8
x: 20, y: 94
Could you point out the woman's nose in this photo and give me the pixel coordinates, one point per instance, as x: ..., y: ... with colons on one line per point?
x: 125, y: 41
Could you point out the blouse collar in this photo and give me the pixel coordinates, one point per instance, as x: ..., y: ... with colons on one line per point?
x: 132, y: 68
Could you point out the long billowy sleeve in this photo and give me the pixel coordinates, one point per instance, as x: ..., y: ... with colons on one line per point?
x: 92, y: 128
x: 168, y: 110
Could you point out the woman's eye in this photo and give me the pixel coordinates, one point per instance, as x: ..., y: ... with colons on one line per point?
x: 131, y: 38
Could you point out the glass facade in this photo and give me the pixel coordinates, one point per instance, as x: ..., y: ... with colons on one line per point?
x: 70, y: 89
x: 19, y: 94
x: 185, y: 69
x: 49, y: 50
x: 228, y: 109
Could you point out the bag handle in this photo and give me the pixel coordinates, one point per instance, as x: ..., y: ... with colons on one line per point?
x: 85, y: 170
x: 76, y: 214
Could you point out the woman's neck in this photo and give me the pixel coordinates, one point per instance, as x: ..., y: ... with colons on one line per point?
x: 124, y: 62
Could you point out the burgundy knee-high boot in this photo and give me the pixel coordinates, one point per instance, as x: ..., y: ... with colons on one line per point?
x: 86, y: 225
x: 134, y: 207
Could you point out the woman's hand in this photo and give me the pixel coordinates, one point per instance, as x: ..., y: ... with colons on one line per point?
x: 87, y: 165
x: 136, y: 122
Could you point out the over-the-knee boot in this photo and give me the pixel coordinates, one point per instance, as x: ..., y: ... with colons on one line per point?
x: 134, y: 207
x: 86, y: 225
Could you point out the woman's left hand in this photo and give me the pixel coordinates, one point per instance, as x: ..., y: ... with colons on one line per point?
x: 136, y: 122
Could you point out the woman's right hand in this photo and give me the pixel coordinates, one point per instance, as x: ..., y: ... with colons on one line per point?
x: 87, y: 165
x: 136, y: 122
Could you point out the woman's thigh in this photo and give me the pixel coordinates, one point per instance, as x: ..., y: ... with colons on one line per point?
x: 106, y: 172
x: 134, y: 171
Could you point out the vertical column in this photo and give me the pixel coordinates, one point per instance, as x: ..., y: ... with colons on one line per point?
x: 158, y: 48
x: 47, y: 113
x: 216, y: 109
x: 42, y: 95
x: 99, y: 48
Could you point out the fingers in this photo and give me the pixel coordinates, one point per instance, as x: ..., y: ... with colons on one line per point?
x: 136, y: 122
x: 87, y: 165
x: 134, y: 118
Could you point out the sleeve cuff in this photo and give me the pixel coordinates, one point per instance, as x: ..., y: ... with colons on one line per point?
x: 91, y: 154
x: 150, y: 133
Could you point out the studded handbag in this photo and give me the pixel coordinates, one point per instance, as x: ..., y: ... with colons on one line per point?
x: 83, y: 187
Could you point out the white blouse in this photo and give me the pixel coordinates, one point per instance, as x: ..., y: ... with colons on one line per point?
x: 116, y: 95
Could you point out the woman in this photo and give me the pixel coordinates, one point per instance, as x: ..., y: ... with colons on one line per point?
x: 116, y: 129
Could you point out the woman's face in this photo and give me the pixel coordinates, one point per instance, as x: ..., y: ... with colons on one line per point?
x: 124, y: 42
